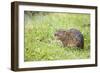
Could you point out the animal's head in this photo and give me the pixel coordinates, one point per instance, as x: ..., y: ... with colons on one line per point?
x: 60, y: 34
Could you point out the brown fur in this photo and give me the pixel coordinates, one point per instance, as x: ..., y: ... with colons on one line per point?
x: 70, y: 38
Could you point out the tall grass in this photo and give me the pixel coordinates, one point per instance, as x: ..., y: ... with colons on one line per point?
x: 40, y: 43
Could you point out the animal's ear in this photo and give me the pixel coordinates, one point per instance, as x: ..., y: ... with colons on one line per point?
x: 63, y: 32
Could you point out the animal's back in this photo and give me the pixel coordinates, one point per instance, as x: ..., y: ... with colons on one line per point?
x: 77, y: 35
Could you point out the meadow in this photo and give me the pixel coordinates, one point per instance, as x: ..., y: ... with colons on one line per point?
x: 40, y: 43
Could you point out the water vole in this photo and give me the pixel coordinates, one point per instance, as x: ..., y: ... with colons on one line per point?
x: 70, y: 38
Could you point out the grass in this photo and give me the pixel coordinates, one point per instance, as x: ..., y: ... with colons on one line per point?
x: 40, y: 43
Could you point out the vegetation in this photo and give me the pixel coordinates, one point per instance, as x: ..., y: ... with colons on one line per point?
x: 40, y: 43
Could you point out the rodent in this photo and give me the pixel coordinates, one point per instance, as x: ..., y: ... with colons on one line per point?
x: 70, y: 38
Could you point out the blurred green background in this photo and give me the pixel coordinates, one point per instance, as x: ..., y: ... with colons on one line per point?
x: 40, y: 43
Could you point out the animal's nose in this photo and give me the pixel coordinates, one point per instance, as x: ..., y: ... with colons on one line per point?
x: 55, y: 34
